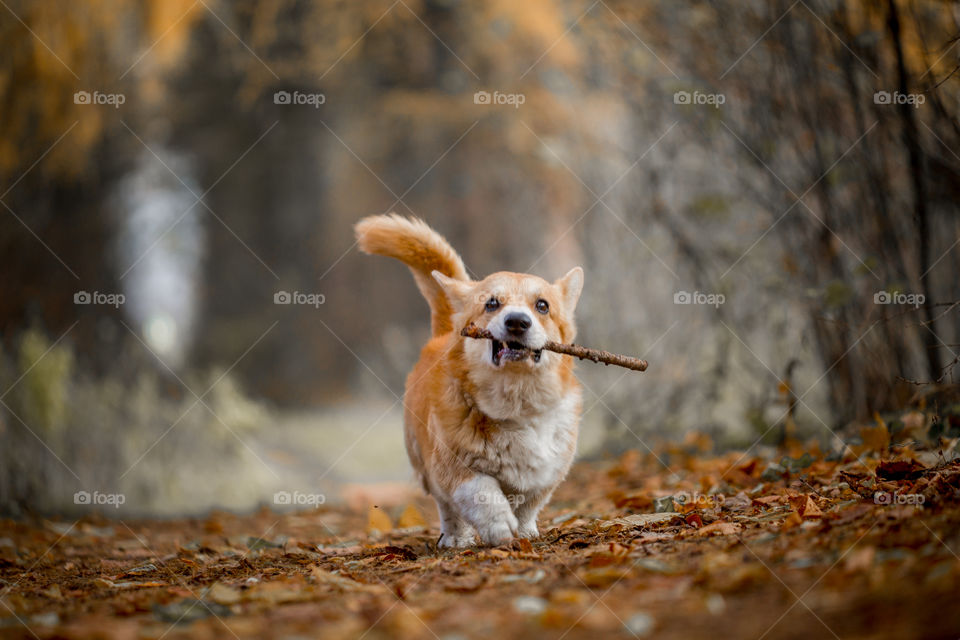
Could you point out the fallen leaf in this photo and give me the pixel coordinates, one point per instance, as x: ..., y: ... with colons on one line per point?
x: 129, y: 584
x: 634, y: 501
x: 402, y: 552
x: 378, y: 521
x: 324, y: 577
x: 805, y: 506
x: 411, y: 518
x: 792, y: 520
x: 466, y: 583
x: 811, y: 510
x: 720, y: 528
x: 875, y: 438
x: 604, y: 576
x: 899, y: 469
x: 641, y: 519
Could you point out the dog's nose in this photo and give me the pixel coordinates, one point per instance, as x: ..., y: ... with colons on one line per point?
x: 517, y: 323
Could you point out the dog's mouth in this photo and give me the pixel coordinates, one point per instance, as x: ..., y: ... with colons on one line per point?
x: 512, y: 351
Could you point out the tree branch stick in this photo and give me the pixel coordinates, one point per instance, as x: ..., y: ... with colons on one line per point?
x: 594, y: 355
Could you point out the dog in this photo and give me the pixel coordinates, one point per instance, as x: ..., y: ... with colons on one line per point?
x: 490, y: 425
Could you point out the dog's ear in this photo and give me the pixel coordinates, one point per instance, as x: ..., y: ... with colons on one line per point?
x: 570, y: 287
x: 458, y: 291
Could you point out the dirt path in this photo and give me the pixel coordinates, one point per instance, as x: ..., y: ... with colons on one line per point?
x: 745, y: 549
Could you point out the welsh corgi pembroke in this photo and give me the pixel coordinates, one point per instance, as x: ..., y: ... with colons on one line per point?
x: 490, y: 425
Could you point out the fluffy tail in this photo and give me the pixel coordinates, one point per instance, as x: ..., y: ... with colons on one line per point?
x: 414, y: 243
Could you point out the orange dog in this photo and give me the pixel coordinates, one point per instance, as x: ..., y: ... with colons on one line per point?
x: 490, y: 426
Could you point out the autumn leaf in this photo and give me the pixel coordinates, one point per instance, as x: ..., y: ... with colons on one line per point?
x: 875, y: 438
x: 411, y: 518
x: 805, y: 506
x: 641, y: 519
x: 378, y: 521
x: 899, y: 469
x: 720, y: 528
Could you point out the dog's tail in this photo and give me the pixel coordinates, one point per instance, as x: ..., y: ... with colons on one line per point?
x: 414, y: 243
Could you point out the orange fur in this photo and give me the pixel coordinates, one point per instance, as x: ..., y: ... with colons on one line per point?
x: 420, y: 248
x: 479, y: 431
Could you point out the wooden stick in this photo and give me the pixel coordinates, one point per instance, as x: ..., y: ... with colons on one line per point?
x: 594, y: 355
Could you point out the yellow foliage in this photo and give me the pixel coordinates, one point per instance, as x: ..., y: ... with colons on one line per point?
x: 43, y: 389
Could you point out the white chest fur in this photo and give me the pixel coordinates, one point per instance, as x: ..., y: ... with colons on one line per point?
x: 534, y: 453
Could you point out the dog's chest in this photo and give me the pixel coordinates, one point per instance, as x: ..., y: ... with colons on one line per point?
x: 534, y: 453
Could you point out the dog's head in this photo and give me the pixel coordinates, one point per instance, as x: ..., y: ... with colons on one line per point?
x: 522, y: 311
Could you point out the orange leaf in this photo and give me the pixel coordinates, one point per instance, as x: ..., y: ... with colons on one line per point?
x: 411, y: 517
x: 720, y: 528
x: 377, y: 519
x: 875, y: 438
x: 811, y: 510
x: 792, y: 520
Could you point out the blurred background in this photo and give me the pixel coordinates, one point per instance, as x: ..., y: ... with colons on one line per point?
x: 764, y: 196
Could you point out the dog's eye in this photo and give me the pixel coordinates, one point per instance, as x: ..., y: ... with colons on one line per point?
x: 542, y: 306
x: 492, y: 304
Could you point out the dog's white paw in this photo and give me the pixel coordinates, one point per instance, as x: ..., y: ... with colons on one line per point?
x: 528, y: 530
x: 500, y: 530
x: 448, y: 541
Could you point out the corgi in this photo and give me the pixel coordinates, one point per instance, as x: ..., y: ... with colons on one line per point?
x: 490, y: 425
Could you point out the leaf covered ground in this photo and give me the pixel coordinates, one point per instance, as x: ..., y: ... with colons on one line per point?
x: 681, y: 543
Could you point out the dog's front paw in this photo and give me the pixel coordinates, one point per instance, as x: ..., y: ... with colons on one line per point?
x: 448, y: 541
x: 528, y: 530
x: 499, y: 531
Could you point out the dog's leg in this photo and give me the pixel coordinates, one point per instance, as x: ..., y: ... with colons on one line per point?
x: 528, y: 510
x: 480, y: 501
x: 456, y: 532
